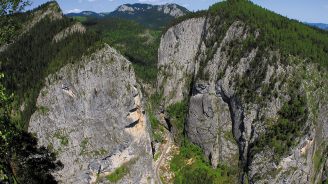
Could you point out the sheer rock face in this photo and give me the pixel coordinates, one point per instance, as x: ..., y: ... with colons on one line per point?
x: 91, y: 115
x: 176, y: 55
x: 227, y: 116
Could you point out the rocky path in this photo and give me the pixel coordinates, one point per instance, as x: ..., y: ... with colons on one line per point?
x: 163, y: 156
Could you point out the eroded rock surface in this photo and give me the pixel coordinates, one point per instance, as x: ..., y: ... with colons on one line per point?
x: 91, y: 114
x: 236, y: 99
x: 176, y: 55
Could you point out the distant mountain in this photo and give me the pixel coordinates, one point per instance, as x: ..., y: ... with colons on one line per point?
x: 152, y: 16
x: 319, y: 25
x: 172, y: 10
x: 86, y: 14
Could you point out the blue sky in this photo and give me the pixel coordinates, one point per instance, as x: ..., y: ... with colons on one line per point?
x: 303, y: 10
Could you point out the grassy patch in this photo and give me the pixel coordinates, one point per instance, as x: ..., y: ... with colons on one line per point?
x: 118, y: 174
x: 190, y: 166
x: 44, y: 110
x: 83, y: 146
x: 157, y: 155
x: 63, y: 138
x: 100, y: 152
x: 158, y: 136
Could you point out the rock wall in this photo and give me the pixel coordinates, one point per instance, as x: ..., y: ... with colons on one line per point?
x: 176, y: 56
x: 91, y: 115
x: 235, y: 101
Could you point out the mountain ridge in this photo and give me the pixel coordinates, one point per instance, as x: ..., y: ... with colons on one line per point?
x: 322, y: 26
x: 135, y: 6
x: 153, y: 16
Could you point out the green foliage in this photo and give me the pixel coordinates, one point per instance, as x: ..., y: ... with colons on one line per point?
x: 62, y: 137
x: 152, y: 106
x: 276, y: 32
x: 283, y: 134
x: 158, y: 136
x: 319, y: 158
x: 153, y: 120
x: 157, y: 155
x: 43, y: 110
x: 190, y: 166
x: 21, y: 160
x: 134, y: 41
x: 12, y: 6
x: 155, y: 100
x: 80, y: 18
x: 31, y: 58
x: 118, y: 174
x: 10, y: 27
x: 177, y: 113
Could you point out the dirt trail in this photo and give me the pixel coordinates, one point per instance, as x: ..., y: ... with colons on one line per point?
x: 163, y: 156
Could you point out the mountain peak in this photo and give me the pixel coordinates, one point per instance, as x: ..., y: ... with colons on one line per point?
x: 51, y: 5
x: 173, y: 10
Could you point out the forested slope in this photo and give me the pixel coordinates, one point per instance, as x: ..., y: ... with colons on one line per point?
x: 30, y: 58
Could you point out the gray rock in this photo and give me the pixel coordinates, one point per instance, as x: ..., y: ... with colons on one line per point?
x: 90, y: 114
x: 219, y: 112
x: 176, y: 56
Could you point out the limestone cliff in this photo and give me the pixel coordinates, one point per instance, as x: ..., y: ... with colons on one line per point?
x: 91, y: 115
x: 238, y: 96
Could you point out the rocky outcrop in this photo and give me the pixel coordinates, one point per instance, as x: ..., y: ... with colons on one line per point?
x: 75, y: 28
x: 176, y: 56
x: 238, y: 94
x: 209, y: 125
x: 125, y: 8
x: 52, y: 10
x: 172, y: 10
x: 91, y: 115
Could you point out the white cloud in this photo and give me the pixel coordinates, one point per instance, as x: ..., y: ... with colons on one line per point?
x: 76, y: 10
x: 186, y: 5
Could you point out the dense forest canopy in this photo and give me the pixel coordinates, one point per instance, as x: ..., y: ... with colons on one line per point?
x: 138, y: 43
x: 280, y: 33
